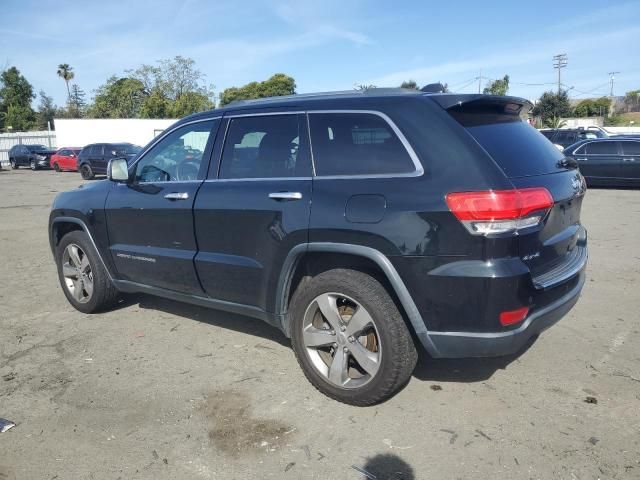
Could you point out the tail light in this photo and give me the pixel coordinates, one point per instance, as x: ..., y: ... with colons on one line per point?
x: 500, y: 211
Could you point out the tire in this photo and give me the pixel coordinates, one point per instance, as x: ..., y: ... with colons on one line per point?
x: 86, y: 172
x: 33, y: 165
x: 56, y: 167
x: 14, y: 165
x: 102, y: 295
x: 390, y: 355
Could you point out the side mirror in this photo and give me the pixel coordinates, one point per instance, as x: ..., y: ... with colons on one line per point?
x: 72, y: 155
x: 118, y: 170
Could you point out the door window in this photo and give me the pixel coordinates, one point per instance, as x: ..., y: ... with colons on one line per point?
x: 63, y: 153
x: 177, y: 157
x: 357, y: 144
x: 631, y: 148
x: 602, y: 148
x: 96, y: 150
x: 264, y: 147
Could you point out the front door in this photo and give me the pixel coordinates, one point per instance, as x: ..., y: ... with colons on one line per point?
x: 150, y: 218
x: 600, y: 160
x: 96, y: 158
x: 250, y: 215
x: 630, y: 160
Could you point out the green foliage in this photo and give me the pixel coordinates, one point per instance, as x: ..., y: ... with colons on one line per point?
x: 497, y: 87
x: 363, y: 87
x: 188, y: 103
x: 632, y: 101
x: 47, y: 111
x: 278, y: 85
x: 77, y: 104
x: 552, y: 104
x: 616, y: 121
x: 554, y: 122
x: 16, y: 94
x: 65, y: 72
x: 118, y: 98
x: 593, y: 108
x: 410, y: 84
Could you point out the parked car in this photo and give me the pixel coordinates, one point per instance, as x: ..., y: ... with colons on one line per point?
x: 349, y: 221
x: 563, y: 137
x: 608, y: 162
x: 33, y: 156
x: 66, y: 159
x: 93, y: 159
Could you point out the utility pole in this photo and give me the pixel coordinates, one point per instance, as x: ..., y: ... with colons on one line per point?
x: 480, y: 82
x: 612, y: 77
x: 559, y: 62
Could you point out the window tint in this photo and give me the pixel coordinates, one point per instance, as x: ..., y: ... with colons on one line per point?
x: 96, y: 150
x: 356, y: 144
x: 602, y: 148
x: 631, y: 148
x: 264, y: 147
x: 580, y: 150
x: 178, y: 156
x: 64, y: 153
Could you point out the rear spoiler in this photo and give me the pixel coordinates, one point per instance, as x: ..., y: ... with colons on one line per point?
x: 482, y: 103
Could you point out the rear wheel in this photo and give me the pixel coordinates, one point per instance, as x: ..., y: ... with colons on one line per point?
x: 13, y: 164
x: 86, y: 172
x: 33, y: 165
x: 56, y: 167
x: 349, y: 337
x: 83, y: 278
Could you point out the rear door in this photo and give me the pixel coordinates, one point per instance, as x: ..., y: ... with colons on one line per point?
x: 150, y: 218
x: 250, y: 214
x: 603, y: 160
x: 96, y: 158
x: 630, y: 159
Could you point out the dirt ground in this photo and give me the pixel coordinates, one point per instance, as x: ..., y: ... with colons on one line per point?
x: 161, y: 390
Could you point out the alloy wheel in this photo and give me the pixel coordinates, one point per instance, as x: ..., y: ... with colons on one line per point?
x: 341, y: 340
x: 32, y: 164
x: 78, y: 276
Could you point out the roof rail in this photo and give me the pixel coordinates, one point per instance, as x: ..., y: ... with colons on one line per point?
x: 302, y: 96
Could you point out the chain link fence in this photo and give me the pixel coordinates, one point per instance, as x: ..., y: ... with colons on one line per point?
x: 8, y: 140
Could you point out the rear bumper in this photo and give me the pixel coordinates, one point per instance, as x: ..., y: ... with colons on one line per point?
x: 480, y: 344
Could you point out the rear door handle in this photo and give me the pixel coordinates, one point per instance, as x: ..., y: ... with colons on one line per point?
x: 285, y: 196
x: 581, y: 159
x: 628, y: 159
x: 177, y: 196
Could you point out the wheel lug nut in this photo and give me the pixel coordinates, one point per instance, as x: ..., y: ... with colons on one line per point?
x: 332, y: 332
x: 343, y: 328
x: 335, y: 345
x: 352, y: 339
x: 345, y: 350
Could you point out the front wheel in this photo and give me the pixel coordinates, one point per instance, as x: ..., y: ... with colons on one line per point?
x: 33, y: 165
x: 86, y: 172
x: 349, y: 337
x: 83, y: 278
x: 14, y: 165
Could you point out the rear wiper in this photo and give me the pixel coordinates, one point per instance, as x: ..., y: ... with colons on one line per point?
x: 567, y: 162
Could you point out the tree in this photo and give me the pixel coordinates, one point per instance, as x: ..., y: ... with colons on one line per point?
x: 552, y: 104
x: 188, y: 103
x: 16, y: 94
x: 497, y: 87
x: 77, y: 103
x: 363, y: 87
x: 47, y: 111
x: 118, y: 98
x: 593, y: 108
x: 410, y: 84
x: 632, y: 101
x: 65, y: 72
x: 275, y: 86
x: 554, y: 122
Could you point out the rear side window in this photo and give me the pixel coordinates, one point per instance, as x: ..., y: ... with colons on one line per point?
x: 96, y: 150
x: 631, y: 148
x: 264, y: 147
x: 356, y: 144
x: 518, y: 148
x: 602, y: 148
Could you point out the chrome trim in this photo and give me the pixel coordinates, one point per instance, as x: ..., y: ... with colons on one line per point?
x: 264, y: 114
x: 168, y: 132
x: 313, y: 160
x: 419, y: 169
x: 167, y: 181
x: 574, y: 262
x: 285, y: 195
x: 177, y: 196
x: 257, y: 179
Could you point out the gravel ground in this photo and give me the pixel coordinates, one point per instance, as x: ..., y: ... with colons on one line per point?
x: 157, y: 389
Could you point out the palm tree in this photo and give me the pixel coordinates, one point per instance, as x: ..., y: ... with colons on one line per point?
x: 65, y: 71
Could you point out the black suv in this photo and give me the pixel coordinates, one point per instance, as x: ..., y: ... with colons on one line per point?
x: 32, y: 156
x: 568, y: 136
x: 360, y: 224
x: 94, y: 158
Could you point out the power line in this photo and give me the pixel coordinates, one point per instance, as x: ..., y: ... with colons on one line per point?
x: 612, y: 76
x: 559, y: 62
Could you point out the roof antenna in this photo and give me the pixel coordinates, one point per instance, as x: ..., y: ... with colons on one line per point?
x: 433, y: 88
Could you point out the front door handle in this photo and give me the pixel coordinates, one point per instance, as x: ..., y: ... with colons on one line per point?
x: 581, y: 159
x: 285, y: 196
x: 628, y: 159
x: 177, y: 196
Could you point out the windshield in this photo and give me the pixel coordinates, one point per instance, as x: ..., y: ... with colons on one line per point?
x: 126, y: 149
x: 36, y: 148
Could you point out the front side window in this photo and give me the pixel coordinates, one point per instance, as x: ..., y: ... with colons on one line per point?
x: 631, y: 148
x: 178, y: 156
x: 264, y: 147
x: 602, y: 148
x: 346, y: 143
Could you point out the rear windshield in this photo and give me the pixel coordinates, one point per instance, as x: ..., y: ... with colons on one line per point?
x: 518, y: 148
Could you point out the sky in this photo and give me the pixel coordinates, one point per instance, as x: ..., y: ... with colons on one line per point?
x: 330, y: 44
